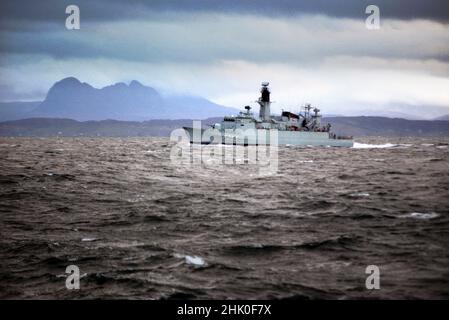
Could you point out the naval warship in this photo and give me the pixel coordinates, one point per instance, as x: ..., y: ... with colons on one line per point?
x: 302, y: 129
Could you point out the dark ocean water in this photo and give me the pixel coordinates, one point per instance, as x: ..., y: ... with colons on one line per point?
x: 140, y: 228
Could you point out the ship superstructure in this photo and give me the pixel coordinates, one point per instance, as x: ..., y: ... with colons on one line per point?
x: 303, y: 128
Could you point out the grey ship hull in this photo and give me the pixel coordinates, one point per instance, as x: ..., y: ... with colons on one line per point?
x: 252, y: 137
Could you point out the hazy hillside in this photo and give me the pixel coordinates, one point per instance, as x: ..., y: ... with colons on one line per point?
x: 16, y: 110
x: 356, y: 126
x: 110, y: 128
x: 444, y: 118
x: 381, y: 126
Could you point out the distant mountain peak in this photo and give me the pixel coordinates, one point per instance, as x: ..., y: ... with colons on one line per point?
x: 68, y: 81
x: 70, y: 98
x: 135, y: 84
x: 118, y: 85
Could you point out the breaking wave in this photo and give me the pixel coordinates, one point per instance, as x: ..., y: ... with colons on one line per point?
x: 420, y: 215
x: 358, y: 145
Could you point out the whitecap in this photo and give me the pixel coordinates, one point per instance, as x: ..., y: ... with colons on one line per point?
x: 420, y: 215
x: 88, y: 239
x: 358, y: 145
x: 359, y: 194
x: 195, y: 260
x: 123, y: 245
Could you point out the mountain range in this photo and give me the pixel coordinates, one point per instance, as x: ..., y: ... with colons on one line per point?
x: 76, y: 100
x: 73, y: 99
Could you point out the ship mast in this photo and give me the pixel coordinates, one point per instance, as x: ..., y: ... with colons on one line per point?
x: 264, y: 102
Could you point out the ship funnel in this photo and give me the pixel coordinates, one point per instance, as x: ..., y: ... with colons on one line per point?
x: 264, y: 102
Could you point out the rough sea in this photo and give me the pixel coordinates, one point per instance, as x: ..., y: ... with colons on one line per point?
x: 139, y: 227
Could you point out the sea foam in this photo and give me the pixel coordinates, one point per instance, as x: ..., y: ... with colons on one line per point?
x: 420, y: 215
x: 358, y: 145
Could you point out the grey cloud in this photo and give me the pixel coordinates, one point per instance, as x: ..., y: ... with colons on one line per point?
x: 208, y: 38
x: 101, y: 10
x: 9, y: 93
x: 180, y: 43
x: 29, y: 27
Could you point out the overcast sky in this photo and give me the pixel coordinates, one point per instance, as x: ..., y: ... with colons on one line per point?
x: 310, y: 51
